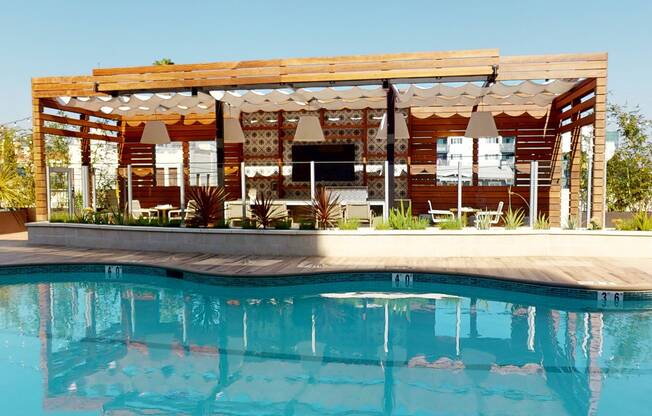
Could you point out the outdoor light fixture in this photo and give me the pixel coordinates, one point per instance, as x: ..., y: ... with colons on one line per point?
x: 481, y: 124
x: 309, y: 130
x: 233, y: 131
x: 155, y: 132
x: 400, y: 127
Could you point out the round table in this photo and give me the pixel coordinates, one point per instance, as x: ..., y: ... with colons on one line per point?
x: 163, y: 211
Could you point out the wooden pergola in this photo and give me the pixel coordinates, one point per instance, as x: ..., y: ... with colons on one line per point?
x: 538, y: 137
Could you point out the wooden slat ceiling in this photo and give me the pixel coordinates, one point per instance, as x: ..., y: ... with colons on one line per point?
x: 359, y: 68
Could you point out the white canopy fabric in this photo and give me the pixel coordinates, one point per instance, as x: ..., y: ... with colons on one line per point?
x: 332, y: 98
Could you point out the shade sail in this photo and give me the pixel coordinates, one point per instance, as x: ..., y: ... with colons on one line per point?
x: 526, y: 93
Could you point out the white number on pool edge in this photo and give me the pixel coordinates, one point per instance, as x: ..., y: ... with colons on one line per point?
x: 402, y: 280
x: 610, y: 300
x: 113, y: 272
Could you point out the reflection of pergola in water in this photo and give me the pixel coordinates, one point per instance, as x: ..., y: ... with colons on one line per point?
x: 238, y: 361
x: 536, y: 99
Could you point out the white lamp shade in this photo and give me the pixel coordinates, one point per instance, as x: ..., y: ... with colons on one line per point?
x: 155, y: 132
x: 481, y: 124
x: 400, y: 127
x: 309, y: 130
x: 233, y: 131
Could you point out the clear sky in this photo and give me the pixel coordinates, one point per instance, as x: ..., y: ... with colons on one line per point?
x: 70, y: 37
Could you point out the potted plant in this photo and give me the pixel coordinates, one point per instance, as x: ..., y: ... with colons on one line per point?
x: 208, y: 204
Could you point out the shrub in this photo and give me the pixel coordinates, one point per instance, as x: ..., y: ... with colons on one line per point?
x: 381, y: 225
x: 264, y: 211
x: 351, y: 224
x: 222, y: 224
x: 401, y: 218
x: 514, y: 219
x: 208, y: 203
x: 453, y: 224
x: 641, y: 221
x: 173, y: 224
x: 249, y: 224
x: 283, y: 224
x: 326, y: 209
x: 594, y: 225
x: 542, y: 222
x: 307, y: 225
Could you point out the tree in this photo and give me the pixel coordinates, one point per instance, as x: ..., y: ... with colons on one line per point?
x: 629, y: 172
x: 163, y: 61
x: 16, y: 174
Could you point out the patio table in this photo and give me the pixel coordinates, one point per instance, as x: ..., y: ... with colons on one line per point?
x: 163, y: 212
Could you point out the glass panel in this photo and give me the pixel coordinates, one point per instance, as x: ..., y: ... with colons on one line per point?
x: 203, y: 163
x: 496, y: 161
x: 451, y: 151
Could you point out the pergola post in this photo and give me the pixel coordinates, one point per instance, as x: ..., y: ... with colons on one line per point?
x: 599, y: 170
x: 391, y: 128
x: 219, y: 141
x: 39, y: 157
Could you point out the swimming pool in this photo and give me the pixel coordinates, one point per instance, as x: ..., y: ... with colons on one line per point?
x: 111, y: 341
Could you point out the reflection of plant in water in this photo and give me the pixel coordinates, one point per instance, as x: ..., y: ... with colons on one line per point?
x: 205, y: 311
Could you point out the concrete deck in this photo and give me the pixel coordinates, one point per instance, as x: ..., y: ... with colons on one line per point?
x: 631, y: 274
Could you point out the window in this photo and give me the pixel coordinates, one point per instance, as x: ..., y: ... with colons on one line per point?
x: 456, y: 140
x: 172, y: 177
x: 491, y: 140
x: 160, y: 176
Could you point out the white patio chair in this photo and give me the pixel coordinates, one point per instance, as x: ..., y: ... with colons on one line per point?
x: 439, y: 215
x: 190, y: 210
x: 360, y: 211
x: 494, y: 216
x: 137, y: 211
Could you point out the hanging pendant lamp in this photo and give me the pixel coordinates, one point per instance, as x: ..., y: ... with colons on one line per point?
x: 155, y: 132
x: 309, y: 129
x: 400, y: 127
x: 481, y: 124
x: 233, y: 131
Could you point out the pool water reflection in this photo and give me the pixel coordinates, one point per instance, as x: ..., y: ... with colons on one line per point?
x: 173, y: 347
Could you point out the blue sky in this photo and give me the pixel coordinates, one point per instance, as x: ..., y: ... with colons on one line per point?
x: 45, y: 38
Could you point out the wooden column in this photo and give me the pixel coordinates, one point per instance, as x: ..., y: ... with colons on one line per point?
x: 281, y: 136
x: 575, y: 179
x: 554, y: 194
x: 85, y: 149
x: 219, y: 141
x: 365, y: 145
x: 598, y: 208
x: 474, y: 168
x: 39, y: 157
x: 185, y: 152
x: 391, y: 128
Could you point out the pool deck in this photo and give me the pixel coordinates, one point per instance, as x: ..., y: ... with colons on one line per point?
x: 631, y: 274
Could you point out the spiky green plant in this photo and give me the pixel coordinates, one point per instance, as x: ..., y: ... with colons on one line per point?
x: 326, y: 209
x: 542, y: 222
x: 514, y: 219
x: 401, y: 218
x: 483, y: 223
x: 571, y: 222
x: 641, y: 221
x: 10, y: 187
x: 381, y: 225
x: 350, y: 224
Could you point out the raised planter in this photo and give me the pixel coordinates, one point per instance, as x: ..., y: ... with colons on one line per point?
x: 13, y: 221
x: 359, y: 243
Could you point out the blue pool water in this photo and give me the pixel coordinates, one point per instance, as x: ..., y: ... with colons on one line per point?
x: 76, y: 343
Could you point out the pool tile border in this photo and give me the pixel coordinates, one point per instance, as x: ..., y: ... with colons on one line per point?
x: 463, y: 280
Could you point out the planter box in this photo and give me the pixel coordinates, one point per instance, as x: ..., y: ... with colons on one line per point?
x: 13, y: 221
x: 359, y: 243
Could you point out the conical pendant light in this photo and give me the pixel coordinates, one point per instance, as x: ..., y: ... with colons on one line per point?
x: 481, y: 124
x: 309, y: 129
x: 233, y: 131
x: 400, y: 127
x: 155, y: 132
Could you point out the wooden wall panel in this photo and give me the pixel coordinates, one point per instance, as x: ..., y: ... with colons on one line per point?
x: 535, y: 140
